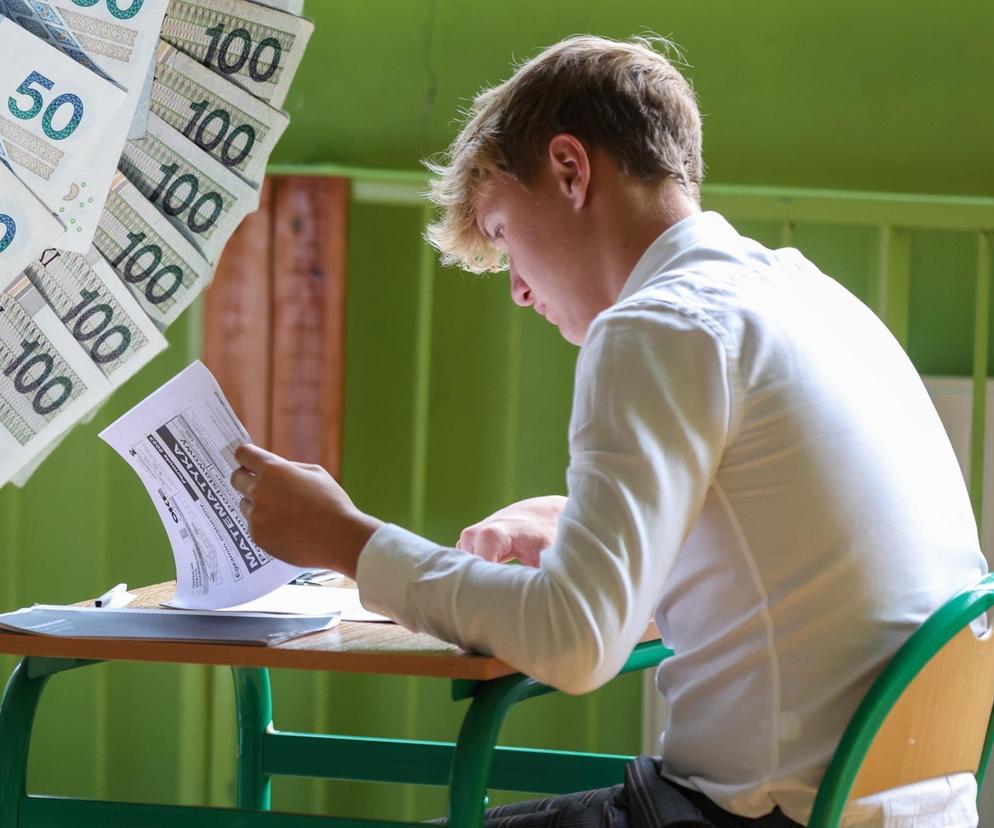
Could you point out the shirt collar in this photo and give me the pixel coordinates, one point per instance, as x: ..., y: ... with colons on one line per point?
x: 690, y: 232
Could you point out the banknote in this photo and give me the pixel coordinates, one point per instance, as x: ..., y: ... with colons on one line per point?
x: 53, y: 118
x: 139, y: 124
x: 291, y: 6
x: 256, y: 47
x: 115, y: 38
x: 47, y: 382
x: 99, y: 311
x: 199, y: 196
x: 26, y: 226
x: 224, y: 120
x: 163, y: 271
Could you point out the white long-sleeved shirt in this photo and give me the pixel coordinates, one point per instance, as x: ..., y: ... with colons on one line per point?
x: 755, y: 462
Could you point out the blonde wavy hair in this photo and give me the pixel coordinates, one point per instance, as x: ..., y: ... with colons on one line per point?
x: 623, y: 97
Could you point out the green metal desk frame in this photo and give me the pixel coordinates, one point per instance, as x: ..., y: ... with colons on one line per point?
x: 467, y: 766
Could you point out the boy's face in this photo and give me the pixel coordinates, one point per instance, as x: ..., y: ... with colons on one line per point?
x: 542, y: 233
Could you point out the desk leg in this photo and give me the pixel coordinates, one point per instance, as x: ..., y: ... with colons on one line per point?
x: 17, y: 715
x: 474, y: 753
x: 254, y: 709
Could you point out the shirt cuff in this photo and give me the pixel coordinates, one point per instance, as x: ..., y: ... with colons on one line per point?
x: 386, y: 569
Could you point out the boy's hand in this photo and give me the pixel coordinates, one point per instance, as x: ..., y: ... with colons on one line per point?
x: 521, y: 530
x: 298, y: 513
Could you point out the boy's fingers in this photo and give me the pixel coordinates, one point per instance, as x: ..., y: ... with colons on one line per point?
x: 254, y: 458
x: 242, y: 480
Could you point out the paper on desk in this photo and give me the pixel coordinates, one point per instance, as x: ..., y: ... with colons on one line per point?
x: 181, y: 442
x: 297, y: 599
x: 163, y: 625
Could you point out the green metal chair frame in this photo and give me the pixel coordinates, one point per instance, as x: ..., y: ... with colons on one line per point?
x: 937, y: 631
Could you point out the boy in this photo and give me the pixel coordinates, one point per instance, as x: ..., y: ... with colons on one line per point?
x: 753, y: 461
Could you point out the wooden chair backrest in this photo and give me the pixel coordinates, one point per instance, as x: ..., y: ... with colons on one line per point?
x: 938, y: 725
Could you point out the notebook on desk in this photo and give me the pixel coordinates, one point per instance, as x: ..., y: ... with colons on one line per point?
x: 164, y: 625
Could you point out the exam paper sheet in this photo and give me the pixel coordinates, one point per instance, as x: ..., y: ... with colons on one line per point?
x: 181, y: 442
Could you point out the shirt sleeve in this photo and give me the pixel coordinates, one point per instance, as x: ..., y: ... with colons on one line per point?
x: 651, y: 415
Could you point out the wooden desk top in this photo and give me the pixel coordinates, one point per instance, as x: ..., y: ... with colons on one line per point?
x: 349, y: 647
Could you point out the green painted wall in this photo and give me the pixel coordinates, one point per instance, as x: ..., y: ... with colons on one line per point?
x: 882, y: 95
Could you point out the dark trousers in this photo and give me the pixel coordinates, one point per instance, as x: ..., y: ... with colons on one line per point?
x: 645, y: 800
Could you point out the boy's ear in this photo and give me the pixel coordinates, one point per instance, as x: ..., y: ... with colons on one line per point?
x: 570, y: 166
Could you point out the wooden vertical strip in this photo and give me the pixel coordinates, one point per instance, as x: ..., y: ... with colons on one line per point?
x: 308, y: 348
x: 309, y: 290
x: 981, y: 338
x: 237, y: 319
x: 235, y: 336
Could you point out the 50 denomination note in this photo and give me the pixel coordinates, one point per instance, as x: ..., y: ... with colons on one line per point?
x: 26, y: 226
x: 163, y: 271
x: 53, y: 116
x: 47, y: 382
x: 200, y: 197
x: 256, y: 47
x: 100, y: 313
x: 232, y: 126
x: 115, y: 38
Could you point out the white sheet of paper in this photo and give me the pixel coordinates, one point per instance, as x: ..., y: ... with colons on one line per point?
x: 300, y: 599
x: 181, y: 442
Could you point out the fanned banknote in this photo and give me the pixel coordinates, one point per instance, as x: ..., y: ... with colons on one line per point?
x: 116, y: 40
x: 224, y: 120
x: 199, y: 196
x: 26, y: 226
x: 256, y: 47
x: 53, y: 117
x: 47, y: 382
x: 291, y: 6
x: 163, y: 271
x: 139, y: 124
x: 99, y: 311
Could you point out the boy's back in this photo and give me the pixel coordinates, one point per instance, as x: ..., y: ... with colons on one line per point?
x: 837, y: 521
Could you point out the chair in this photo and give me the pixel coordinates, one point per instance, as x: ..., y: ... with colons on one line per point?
x: 928, y: 714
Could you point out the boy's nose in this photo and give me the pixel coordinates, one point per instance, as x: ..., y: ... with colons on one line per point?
x: 520, y: 292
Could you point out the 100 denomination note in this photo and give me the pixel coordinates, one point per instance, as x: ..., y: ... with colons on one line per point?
x: 26, y: 226
x: 256, y: 47
x: 163, y: 271
x: 53, y: 116
x: 231, y: 125
x: 100, y: 313
x: 47, y: 382
x: 200, y: 197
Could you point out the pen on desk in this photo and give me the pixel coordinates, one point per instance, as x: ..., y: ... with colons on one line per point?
x: 108, y: 597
